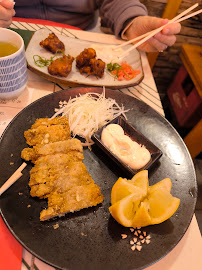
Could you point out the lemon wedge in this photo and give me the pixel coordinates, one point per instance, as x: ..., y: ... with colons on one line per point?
x: 165, y: 184
x: 124, y: 210
x: 136, y: 204
x: 142, y: 217
x: 162, y: 205
x: 141, y: 180
x: 123, y: 188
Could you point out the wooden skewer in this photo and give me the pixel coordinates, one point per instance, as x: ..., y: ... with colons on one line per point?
x: 14, y: 177
x: 158, y: 29
x: 149, y: 36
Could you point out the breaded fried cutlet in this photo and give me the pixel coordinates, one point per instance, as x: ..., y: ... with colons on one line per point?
x: 44, y: 131
x: 47, y: 134
x: 75, y: 199
x: 50, y: 165
x: 50, y: 149
x: 50, y: 122
x: 52, y: 44
x: 47, y: 162
x: 75, y: 174
x: 59, y: 173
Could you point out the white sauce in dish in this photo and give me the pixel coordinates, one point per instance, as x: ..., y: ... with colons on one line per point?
x: 131, y: 153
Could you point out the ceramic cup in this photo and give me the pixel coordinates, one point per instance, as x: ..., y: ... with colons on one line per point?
x: 13, y: 68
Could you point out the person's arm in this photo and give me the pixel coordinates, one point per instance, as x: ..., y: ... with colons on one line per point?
x: 116, y: 13
x: 128, y: 19
x: 6, y: 13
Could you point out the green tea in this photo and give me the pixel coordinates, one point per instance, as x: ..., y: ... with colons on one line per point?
x: 7, y: 49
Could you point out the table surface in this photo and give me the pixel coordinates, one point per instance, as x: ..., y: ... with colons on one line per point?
x: 187, y: 254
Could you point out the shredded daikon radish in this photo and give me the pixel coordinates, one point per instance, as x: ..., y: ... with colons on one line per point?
x: 89, y: 112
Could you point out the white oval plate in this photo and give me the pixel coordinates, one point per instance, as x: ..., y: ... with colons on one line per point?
x: 74, y: 47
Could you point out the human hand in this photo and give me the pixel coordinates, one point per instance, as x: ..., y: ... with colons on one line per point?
x: 6, y: 12
x: 161, y: 40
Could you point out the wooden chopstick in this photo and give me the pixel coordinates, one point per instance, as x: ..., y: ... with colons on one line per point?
x: 155, y: 32
x: 189, y: 16
x: 14, y: 177
x: 158, y: 29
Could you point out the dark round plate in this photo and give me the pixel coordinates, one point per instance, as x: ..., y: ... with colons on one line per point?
x: 91, y: 238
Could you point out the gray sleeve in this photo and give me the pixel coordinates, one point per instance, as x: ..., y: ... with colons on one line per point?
x: 116, y: 13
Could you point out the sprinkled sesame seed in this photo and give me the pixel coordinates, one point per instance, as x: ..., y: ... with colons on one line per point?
x: 139, y: 240
x: 135, y: 239
x: 139, y: 248
x: 55, y: 226
x: 124, y: 236
x: 133, y: 248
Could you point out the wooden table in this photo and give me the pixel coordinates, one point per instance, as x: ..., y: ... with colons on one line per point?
x: 186, y: 255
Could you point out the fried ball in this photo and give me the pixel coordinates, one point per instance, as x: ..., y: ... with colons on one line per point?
x: 84, y: 57
x: 97, y: 67
x: 52, y: 44
x: 61, y: 66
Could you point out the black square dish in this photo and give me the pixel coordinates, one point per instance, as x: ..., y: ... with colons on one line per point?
x: 135, y: 136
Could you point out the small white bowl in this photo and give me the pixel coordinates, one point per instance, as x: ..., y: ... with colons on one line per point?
x: 13, y: 68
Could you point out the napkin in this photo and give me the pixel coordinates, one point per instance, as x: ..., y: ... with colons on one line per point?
x: 10, y: 249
